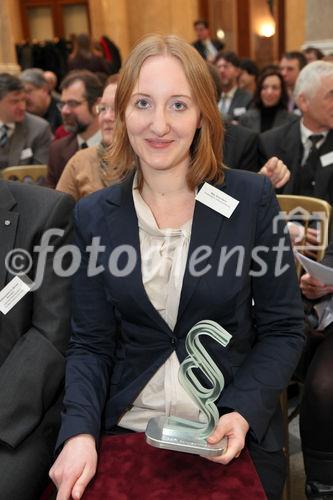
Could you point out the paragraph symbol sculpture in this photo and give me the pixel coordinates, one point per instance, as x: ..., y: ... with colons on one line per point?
x: 184, y: 435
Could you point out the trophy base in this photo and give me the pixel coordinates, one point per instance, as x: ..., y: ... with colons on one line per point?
x: 159, y: 436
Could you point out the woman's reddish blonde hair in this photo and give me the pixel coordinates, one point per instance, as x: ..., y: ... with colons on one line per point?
x: 206, y: 148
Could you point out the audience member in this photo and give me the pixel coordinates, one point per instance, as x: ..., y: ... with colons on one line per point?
x: 83, y: 56
x: 24, y: 138
x: 249, y: 72
x: 34, y: 336
x: 40, y: 102
x: 328, y: 57
x: 317, y: 404
x: 234, y: 101
x: 52, y: 82
x: 306, y: 146
x: 205, y: 45
x: 80, y: 92
x: 240, y: 145
x: 129, y: 330
x: 290, y: 66
x: 269, y: 104
x: 87, y: 171
x: 111, y: 54
x: 313, y: 54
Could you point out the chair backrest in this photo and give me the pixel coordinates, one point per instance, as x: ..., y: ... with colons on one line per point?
x: 307, y: 209
x: 32, y: 174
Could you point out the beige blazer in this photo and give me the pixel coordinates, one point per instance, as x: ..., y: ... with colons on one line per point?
x: 81, y: 174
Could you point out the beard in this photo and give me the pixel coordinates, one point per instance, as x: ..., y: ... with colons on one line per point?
x: 75, y: 126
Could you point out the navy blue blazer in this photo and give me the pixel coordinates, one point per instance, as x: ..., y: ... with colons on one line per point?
x: 119, y: 340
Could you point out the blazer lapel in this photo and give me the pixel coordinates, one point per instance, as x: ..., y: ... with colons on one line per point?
x: 8, y: 227
x: 16, y: 145
x: 207, y: 224
x: 127, y: 233
x: 291, y: 152
x: 327, y: 145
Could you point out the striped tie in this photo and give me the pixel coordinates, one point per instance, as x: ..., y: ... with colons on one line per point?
x: 3, y: 135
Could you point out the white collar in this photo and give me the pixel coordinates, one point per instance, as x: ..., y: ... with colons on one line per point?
x: 230, y: 94
x: 94, y: 140
x: 306, y: 132
x: 10, y: 125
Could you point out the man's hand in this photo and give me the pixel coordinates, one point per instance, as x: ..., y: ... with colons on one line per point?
x: 276, y: 171
x: 298, y: 237
x: 234, y: 427
x: 313, y: 288
x: 74, y: 467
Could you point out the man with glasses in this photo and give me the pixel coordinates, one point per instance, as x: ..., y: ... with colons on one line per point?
x: 87, y: 171
x: 24, y: 138
x: 80, y: 92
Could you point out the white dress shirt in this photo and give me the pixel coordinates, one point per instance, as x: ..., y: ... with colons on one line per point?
x: 163, y: 260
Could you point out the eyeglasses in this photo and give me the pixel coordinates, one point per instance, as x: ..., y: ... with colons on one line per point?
x: 72, y: 104
x: 104, y: 108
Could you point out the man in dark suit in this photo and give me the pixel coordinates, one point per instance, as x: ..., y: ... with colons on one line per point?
x: 234, y: 101
x: 40, y: 101
x: 24, y: 138
x: 291, y: 65
x: 306, y: 146
x: 80, y: 92
x: 207, y: 47
x: 34, y: 335
x: 240, y: 148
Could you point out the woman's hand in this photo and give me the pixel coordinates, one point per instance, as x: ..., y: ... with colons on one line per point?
x: 314, y: 289
x: 234, y: 427
x: 74, y: 467
x: 276, y: 171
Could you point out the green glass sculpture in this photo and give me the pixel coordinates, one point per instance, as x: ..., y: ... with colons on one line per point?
x: 186, y: 435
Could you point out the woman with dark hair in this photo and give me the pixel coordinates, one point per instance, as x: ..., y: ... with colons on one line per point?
x: 269, y: 103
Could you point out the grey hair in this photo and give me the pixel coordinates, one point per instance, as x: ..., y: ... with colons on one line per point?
x: 310, y: 77
x: 34, y: 76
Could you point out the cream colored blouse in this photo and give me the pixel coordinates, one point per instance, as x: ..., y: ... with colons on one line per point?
x: 163, y: 259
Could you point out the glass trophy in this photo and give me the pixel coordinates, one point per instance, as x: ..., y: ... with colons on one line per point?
x: 184, y: 435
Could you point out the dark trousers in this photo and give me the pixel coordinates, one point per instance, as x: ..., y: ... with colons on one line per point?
x: 24, y: 470
x: 271, y: 467
x: 317, y: 409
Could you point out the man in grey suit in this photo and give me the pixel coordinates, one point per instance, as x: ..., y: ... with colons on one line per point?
x: 234, y: 101
x: 34, y: 334
x: 24, y: 138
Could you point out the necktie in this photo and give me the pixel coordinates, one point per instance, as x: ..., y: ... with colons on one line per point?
x: 3, y: 135
x: 84, y: 145
x: 309, y: 167
x: 224, y: 103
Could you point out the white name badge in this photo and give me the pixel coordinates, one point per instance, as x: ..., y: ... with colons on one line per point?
x: 217, y: 200
x: 326, y: 159
x: 239, y: 111
x: 13, y: 292
x: 26, y: 153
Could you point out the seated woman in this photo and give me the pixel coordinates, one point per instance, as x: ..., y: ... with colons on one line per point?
x: 269, y: 104
x: 317, y: 404
x: 87, y: 171
x: 165, y: 268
